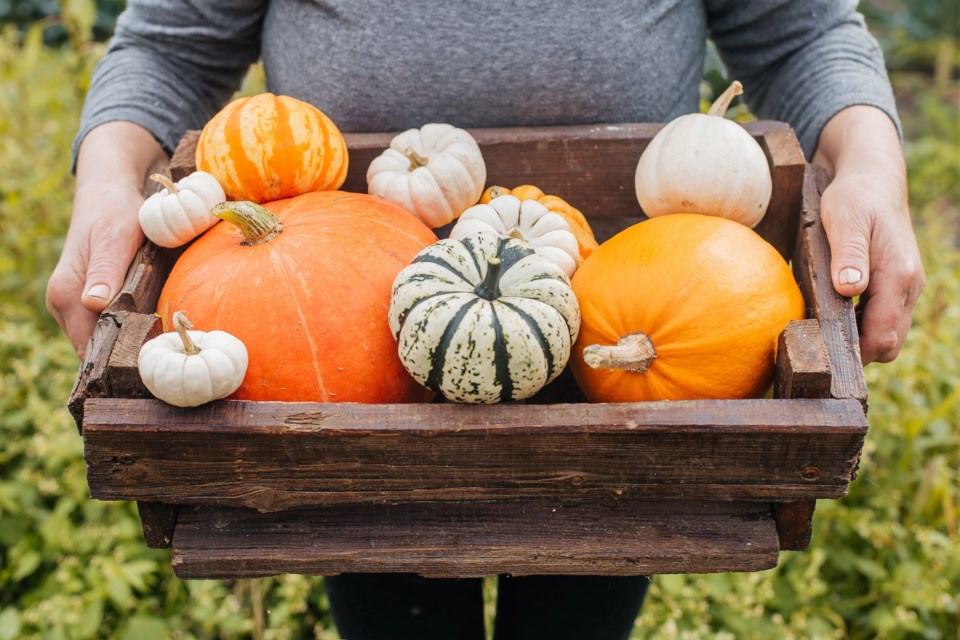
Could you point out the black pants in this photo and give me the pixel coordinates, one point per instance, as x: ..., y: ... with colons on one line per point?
x: 404, y: 606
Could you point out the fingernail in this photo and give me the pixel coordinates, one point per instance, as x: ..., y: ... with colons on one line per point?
x: 101, y: 291
x: 850, y: 276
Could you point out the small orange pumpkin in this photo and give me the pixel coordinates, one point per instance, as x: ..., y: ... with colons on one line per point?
x: 308, y: 297
x: 578, y: 223
x: 682, y: 307
x: 270, y: 147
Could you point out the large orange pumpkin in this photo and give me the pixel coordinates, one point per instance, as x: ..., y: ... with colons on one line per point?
x: 682, y: 307
x: 309, y: 302
x: 577, y: 221
x: 269, y: 147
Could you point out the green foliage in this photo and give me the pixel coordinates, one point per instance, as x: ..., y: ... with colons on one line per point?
x: 884, y: 561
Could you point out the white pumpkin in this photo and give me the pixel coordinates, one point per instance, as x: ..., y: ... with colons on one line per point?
x: 507, y: 216
x: 434, y: 172
x: 180, y: 212
x: 704, y: 163
x: 483, y: 319
x: 189, y: 368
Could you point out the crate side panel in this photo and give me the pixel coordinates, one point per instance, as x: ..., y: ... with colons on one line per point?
x: 323, y: 454
x: 476, y: 539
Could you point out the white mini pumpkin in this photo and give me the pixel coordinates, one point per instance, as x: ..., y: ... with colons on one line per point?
x: 483, y: 319
x: 507, y: 216
x: 180, y: 212
x: 189, y: 368
x: 434, y: 172
x: 704, y: 163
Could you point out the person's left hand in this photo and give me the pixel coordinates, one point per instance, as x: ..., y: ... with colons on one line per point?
x: 867, y: 220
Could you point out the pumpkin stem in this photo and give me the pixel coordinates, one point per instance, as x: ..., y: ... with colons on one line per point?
x: 416, y: 160
x: 182, y: 324
x: 633, y: 352
x: 496, y: 191
x: 165, y: 182
x: 256, y: 223
x: 489, y: 289
x: 721, y: 104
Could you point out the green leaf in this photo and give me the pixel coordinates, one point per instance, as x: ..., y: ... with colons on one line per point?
x: 119, y: 592
x: 90, y: 619
x: 26, y: 564
x: 145, y: 628
x: 9, y: 624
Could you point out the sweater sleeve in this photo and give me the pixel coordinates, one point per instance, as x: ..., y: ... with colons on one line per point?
x: 172, y: 64
x: 801, y: 62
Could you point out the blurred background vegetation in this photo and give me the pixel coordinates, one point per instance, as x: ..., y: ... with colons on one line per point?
x: 884, y: 561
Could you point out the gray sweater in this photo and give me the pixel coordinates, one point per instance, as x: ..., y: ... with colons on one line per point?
x: 373, y: 65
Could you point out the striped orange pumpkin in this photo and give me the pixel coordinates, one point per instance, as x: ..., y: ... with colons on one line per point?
x: 577, y: 221
x: 270, y: 147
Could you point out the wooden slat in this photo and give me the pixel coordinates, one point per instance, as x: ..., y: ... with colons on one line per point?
x: 158, y: 522
x: 476, y: 539
x: 811, y: 265
x: 275, y: 456
x: 145, y: 279
x: 803, y: 366
x: 787, y: 166
x: 92, y: 378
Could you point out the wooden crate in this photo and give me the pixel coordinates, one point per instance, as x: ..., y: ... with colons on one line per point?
x: 551, y: 486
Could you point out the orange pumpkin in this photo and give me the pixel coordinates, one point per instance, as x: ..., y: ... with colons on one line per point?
x: 578, y: 223
x: 270, y: 147
x: 309, y: 301
x: 682, y: 307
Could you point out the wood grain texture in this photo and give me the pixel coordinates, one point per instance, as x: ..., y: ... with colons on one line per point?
x: 145, y: 278
x: 803, y: 366
x: 92, y: 378
x: 277, y: 456
x: 626, y: 537
x: 838, y: 324
x: 158, y: 522
x: 794, y: 523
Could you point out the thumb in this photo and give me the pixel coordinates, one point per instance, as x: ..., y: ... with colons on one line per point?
x: 106, y: 272
x: 848, y: 234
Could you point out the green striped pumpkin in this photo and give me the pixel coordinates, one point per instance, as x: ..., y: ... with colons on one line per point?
x: 483, y: 319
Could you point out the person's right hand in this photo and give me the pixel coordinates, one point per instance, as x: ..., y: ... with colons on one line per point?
x: 104, y: 232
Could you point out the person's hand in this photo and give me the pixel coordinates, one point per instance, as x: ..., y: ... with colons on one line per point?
x: 104, y: 232
x: 867, y: 221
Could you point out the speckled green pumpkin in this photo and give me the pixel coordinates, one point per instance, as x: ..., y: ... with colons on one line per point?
x: 483, y: 319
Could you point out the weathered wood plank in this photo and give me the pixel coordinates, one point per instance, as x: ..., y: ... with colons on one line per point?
x: 787, y: 167
x: 794, y: 523
x: 627, y: 537
x: 811, y: 265
x: 158, y: 522
x: 145, y: 279
x: 122, y: 369
x: 803, y: 367
x: 276, y: 456
x: 92, y: 378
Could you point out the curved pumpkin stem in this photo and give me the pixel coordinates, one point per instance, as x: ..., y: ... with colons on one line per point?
x: 182, y: 324
x: 256, y: 223
x: 165, y: 182
x: 633, y: 352
x: 721, y: 104
x: 496, y: 191
x: 489, y: 289
x: 416, y: 160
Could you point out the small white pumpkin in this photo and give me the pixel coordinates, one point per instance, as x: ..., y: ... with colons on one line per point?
x: 507, y: 216
x: 483, y: 319
x: 704, y: 163
x: 189, y: 368
x: 434, y: 172
x: 180, y: 211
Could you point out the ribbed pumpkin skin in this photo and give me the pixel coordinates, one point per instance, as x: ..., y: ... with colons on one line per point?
x: 578, y: 222
x: 311, y: 304
x: 712, y: 296
x: 270, y: 147
x: 478, y: 346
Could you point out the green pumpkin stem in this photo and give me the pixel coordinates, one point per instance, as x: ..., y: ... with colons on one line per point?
x: 633, y: 352
x: 489, y: 289
x: 165, y: 182
x: 256, y: 223
x: 416, y: 160
x: 721, y: 104
x: 182, y: 324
